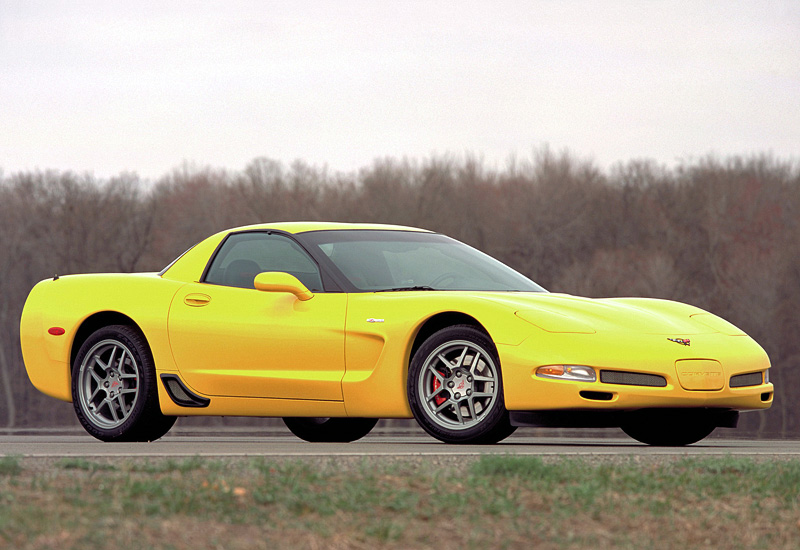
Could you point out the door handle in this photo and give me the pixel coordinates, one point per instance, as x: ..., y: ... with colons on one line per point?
x: 197, y: 300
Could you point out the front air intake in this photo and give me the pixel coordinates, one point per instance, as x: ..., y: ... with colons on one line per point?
x: 596, y: 395
x: 632, y: 379
x: 749, y: 379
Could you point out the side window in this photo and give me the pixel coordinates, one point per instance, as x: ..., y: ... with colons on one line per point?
x: 245, y: 255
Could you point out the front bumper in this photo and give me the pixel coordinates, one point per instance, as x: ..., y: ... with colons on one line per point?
x: 621, y: 353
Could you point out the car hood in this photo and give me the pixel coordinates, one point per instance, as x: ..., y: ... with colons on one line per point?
x: 575, y: 314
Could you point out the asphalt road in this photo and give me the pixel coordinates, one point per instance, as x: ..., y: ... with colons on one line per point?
x: 215, y: 444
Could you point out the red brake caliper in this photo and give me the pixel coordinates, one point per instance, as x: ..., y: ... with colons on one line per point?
x: 436, y: 385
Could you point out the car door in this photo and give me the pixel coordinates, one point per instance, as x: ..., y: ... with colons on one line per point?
x: 229, y: 339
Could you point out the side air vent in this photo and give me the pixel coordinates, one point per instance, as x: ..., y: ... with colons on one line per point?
x: 632, y: 379
x: 180, y: 394
x: 744, y: 380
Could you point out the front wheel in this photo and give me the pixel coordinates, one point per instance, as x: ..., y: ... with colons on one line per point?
x: 663, y: 428
x: 455, y: 387
x: 114, y: 389
x: 330, y: 430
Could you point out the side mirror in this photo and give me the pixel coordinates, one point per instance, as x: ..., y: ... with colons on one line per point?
x: 276, y: 281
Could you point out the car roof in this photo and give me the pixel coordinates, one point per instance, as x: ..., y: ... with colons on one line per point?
x: 190, y: 265
x: 303, y: 227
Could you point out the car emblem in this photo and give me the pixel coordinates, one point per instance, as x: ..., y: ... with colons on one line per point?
x: 373, y: 320
x: 682, y: 341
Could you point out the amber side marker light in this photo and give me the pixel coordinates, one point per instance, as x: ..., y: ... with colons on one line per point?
x: 567, y: 372
x: 56, y: 331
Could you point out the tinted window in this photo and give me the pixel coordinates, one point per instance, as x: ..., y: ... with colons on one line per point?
x: 245, y: 255
x: 387, y: 260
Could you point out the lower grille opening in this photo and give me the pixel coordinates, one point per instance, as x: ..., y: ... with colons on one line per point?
x: 597, y: 395
x: 749, y: 379
x: 766, y: 396
x: 632, y: 379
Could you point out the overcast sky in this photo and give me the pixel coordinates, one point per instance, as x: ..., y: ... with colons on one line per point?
x: 143, y: 86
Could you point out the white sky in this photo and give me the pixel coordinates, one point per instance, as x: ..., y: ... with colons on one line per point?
x: 143, y: 86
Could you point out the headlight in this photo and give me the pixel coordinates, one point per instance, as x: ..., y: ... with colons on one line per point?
x: 567, y: 372
x: 551, y: 321
x: 717, y: 323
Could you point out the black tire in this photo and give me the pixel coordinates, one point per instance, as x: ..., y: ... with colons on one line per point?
x: 330, y: 430
x: 114, y: 390
x: 460, y: 401
x: 668, y: 428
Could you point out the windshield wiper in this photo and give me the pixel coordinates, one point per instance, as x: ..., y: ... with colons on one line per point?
x: 401, y: 288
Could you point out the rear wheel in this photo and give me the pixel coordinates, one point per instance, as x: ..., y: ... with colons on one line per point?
x: 455, y: 387
x: 114, y: 389
x: 330, y: 430
x: 668, y: 428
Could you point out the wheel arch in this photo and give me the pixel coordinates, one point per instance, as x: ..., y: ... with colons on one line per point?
x: 437, y: 322
x: 97, y: 321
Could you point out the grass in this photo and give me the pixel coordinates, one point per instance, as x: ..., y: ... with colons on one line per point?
x: 487, y: 502
x: 10, y: 466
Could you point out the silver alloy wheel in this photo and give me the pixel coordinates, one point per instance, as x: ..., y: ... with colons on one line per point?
x: 108, y: 384
x: 458, y: 385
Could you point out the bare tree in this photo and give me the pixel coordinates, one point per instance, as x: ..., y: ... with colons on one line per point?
x: 722, y: 234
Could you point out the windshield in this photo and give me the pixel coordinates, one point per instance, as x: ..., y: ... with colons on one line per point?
x: 406, y: 260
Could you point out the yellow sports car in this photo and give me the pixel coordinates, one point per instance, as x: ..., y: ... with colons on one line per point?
x: 333, y: 326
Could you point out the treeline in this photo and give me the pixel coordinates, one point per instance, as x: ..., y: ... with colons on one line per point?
x: 722, y: 234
